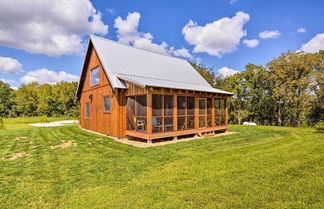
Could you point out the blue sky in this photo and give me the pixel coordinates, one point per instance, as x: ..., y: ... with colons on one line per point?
x: 27, y: 45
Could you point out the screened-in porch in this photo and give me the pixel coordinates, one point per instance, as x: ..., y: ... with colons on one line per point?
x: 154, y: 116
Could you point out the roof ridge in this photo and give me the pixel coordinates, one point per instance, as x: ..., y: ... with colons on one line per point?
x: 116, y: 42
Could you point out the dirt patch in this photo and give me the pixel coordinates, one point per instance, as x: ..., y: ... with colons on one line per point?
x: 99, y: 139
x: 16, y: 156
x: 64, y: 145
x: 145, y: 145
x: 21, y: 137
x: 35, y: 146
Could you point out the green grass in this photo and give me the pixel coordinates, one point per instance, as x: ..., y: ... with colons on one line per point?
x: 22, y: 122
x: 262, y: 167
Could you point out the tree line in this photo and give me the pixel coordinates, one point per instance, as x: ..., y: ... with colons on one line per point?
x: 34, y: 99
x: 287, y: 91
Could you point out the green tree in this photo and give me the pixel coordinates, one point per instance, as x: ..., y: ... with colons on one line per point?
x: 207, y: 74
x: 291, y: 75
x: 64, y: 92
x: 6, y: 99
x: 238, y: 104
x: 27, y: 99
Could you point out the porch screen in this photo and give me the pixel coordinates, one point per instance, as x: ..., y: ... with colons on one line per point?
x: 136, y: 111
x: 186, y: 112
x: 162, y: 113
x: 220, y: 112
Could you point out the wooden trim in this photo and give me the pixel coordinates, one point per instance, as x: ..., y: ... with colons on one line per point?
x: 175, y: 113
x: 150, y: 137
x: 149, y: 112
x: 213, y: 113
x: 226, y: 112
x: 196, y: 112
x: 95, y: 87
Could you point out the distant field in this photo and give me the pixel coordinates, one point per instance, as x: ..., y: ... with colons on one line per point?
x: 21, y: 122
x: 65, y: 167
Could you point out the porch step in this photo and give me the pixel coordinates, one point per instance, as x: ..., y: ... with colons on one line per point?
x: 208, y: 135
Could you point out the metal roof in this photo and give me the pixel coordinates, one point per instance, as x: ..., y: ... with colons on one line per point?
x: 145, y: 68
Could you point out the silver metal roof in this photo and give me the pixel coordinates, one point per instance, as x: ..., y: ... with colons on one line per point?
x: 145, y: 68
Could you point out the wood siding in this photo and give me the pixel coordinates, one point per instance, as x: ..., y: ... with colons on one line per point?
x: 106, y: 123
x: 114, y: 122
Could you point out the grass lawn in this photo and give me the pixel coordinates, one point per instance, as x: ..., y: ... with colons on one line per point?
x: 22, y: 122
x: 262, y: 167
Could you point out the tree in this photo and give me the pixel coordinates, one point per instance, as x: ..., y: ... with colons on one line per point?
x: 291, y: 77
x: 259, y: 91
x: 238, y: 104
x: 207, y: 74
x: 27, y: 99
x: 64, y: 92
x: 6, y: 99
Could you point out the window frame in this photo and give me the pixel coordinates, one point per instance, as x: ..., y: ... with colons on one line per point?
x: 91, y: 72
x: 104, y: 110
x: 87, y: 113
x: 135, y: 116
x: 163, y: 117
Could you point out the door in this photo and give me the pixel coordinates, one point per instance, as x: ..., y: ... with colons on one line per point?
x: 202, y: 112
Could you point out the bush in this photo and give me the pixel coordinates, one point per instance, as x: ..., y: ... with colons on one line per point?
x: 44, y: 119
x: 319, y: 127
x: 2, y: 126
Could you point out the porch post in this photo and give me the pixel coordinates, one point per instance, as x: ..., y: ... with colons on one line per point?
x: 226, y: 112
x: 196, y: 112
x: 149, y: 113
x: 175, y: 113
x: 213, y: 112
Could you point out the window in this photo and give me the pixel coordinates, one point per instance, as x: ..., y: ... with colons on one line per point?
x: 181, y: 105
x: 136, y: 113
x: 87, y: 111
x: 220, y: 112
x: 186, y: 112
x: 106, y: 104
x: 95, y: 76
x: 202, y: 112
x: 162, y: 111
x: 209, y: 112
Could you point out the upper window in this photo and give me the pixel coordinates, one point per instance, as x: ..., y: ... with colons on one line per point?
x: 107, y: 104
x: 95, y: 76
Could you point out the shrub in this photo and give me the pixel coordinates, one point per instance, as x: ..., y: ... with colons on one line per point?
x: 2, y: 126
x: 44, y: 119
x: 319, y: 127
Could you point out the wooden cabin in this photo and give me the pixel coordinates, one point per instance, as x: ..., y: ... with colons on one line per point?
x: 130, y: 92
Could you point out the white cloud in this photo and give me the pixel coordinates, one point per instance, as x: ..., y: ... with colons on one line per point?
x: 198, y: 60
x: 301, y: 30
x: 225, y: 72
x: 111, y: 11
x: 233, y: 1
x: 7, y: 81
x: 147, y: 44
x: 50, y: 27
x: 183, y: 52
x: 219, y: 37
x: 251, y: 43
x: 269, y: 34
x: 127, y: 33
x: 9, y: 65
x: 47, y: 76
x: 315, y: 44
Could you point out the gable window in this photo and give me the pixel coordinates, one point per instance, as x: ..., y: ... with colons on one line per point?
x: 87, y: 116
x: 106, y: 104
x: 95, y: 76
